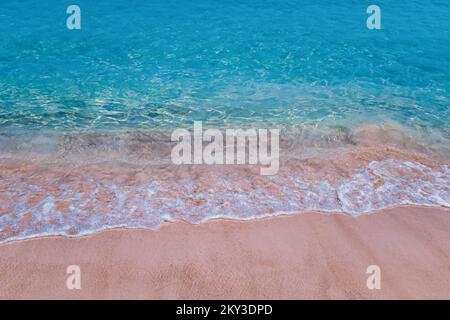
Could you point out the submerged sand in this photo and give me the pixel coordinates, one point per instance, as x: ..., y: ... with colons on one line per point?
x: 304, y: 256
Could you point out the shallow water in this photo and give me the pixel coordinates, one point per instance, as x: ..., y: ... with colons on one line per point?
x: 85, y: 188
x: 147, y: 64
x: 86, y: 115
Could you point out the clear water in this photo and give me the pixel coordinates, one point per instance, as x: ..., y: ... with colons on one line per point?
x: 158, y: 63
x: 84, y: 114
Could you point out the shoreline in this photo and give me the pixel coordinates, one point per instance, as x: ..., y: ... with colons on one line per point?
x: 40, y: 200
x: 268, y: 216
x: 299, y: 256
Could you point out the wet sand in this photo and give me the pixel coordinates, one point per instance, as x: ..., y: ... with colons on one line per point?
x: 305, y: 256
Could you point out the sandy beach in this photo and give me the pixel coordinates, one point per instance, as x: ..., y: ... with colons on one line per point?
x: 304, y: 256
x: 231, y: 150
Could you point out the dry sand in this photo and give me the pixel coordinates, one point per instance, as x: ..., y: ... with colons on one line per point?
x: 305, y: 256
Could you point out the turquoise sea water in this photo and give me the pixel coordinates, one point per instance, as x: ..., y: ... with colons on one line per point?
x: 151, y: 64
x: 84, y: 114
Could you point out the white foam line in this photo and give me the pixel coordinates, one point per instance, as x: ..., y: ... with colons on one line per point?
x: 209, y: 219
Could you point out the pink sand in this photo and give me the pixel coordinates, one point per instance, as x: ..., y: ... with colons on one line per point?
x: 305, y: 256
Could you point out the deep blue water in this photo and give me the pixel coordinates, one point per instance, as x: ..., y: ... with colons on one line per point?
x: 150, y: 64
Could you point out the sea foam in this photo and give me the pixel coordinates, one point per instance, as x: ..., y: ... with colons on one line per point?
x: 58, y: 205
